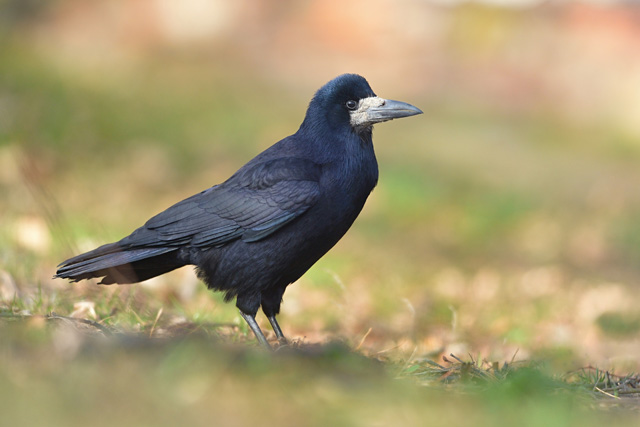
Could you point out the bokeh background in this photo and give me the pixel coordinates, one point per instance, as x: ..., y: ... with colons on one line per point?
x: 506, y: 222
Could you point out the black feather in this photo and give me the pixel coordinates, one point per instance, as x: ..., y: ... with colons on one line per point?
x: 260, y: 230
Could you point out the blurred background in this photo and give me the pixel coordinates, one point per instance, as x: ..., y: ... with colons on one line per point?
x: 507, y: 217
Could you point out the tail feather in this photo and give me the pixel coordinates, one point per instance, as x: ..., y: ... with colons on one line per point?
x: 109, y: 248
x: 120, y: 265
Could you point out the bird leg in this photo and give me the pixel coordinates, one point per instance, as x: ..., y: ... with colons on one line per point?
x: 276, y: 329
x: 251, y: 321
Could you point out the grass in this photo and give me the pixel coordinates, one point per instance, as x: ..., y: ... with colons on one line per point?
x: 78, y: 374
x: 506, y: 237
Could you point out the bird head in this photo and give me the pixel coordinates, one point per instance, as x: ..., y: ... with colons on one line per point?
x: 348, y: 100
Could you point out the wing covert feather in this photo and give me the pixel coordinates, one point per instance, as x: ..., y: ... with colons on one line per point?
x: 252, y: 204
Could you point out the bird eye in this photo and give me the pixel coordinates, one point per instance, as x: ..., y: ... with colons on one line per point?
x: 351, y: 105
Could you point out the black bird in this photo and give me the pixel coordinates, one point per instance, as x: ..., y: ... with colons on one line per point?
x: 264, y: 227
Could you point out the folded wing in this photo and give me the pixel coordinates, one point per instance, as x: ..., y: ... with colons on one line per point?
x: 253, y: 204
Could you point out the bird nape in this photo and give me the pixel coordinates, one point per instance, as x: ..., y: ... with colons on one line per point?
x: 265, y: 226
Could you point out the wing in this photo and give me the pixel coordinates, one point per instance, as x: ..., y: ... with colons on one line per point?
x: 254, y: 203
